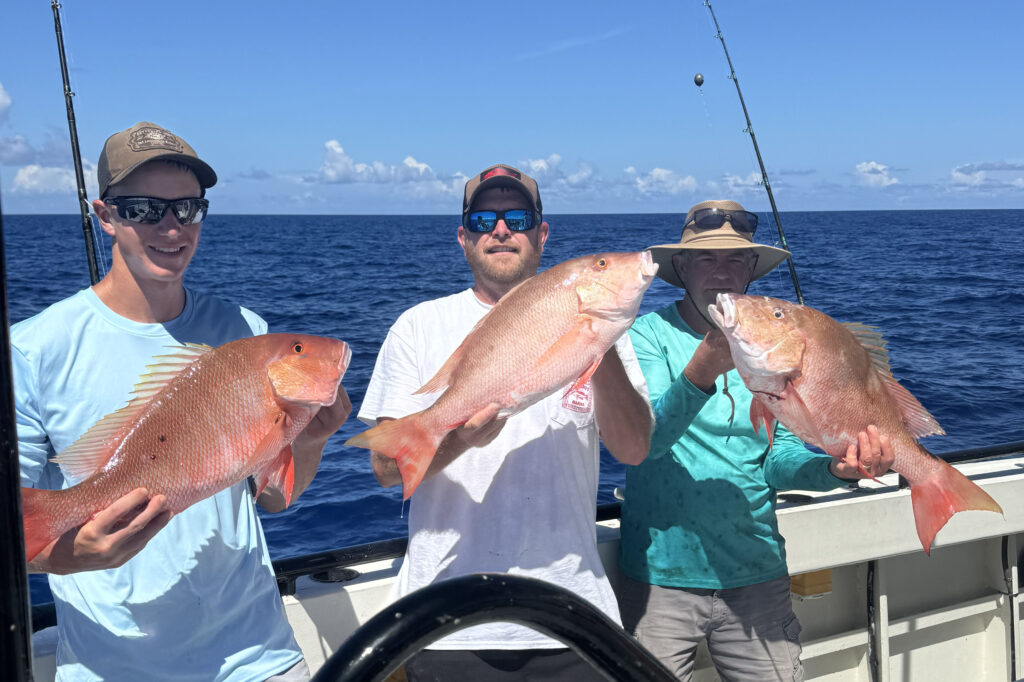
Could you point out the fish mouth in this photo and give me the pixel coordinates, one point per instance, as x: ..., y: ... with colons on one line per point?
x: 648, y: 268
x: 723, y: 312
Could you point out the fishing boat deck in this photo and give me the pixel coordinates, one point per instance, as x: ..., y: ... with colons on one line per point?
x: 868, y: 591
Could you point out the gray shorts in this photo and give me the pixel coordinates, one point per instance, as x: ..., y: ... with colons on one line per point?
x: 751, y: 632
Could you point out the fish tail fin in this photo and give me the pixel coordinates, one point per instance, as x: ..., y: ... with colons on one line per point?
x: 37, y: 510
x: 409, y: 441
x: 941, y: 494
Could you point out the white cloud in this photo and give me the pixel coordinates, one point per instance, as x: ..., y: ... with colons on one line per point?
x: 874, y: 174
x: 661, y: 181
x: 735, y: 185
x: 5, y: 103
x: 556, y: 181
x: 36, y: 179
x: 543, y: 170
x: 339, y: 167
x: 968, y: 175
x: 16, y: 151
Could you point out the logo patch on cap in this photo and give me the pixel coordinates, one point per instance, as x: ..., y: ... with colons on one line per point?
x: 500, y: 171
x: 154, y: 138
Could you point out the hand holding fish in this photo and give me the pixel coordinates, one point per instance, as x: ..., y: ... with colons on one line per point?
x: 478, y: 432
x: 200, y: 420
x: 308, y: 448
x: 870, y: 457
x: 549, y: 333
x: 109, y: 539
x: 827, y: 383
x: 711, y: 359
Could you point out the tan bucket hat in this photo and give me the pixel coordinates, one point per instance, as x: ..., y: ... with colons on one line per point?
x: 723, y: 237
x: 125, y: 151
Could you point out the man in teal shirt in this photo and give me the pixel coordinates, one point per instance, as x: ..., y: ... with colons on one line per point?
x: 701, y: 552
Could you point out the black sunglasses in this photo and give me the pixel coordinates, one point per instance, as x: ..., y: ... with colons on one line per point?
x: 710, y: 218
x: 150, y: 210
x: 516, y: 219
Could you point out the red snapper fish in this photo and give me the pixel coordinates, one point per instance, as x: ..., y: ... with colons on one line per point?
x: 549, y: 331
x: 200, y: 420
x: 826, y: 382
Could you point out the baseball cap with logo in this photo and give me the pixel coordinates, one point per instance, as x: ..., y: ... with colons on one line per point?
x: 125, y: 151
x: 500, y: 175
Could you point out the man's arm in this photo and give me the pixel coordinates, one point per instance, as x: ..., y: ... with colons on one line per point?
x: 622, y: 414
x: 308, y: 448
x: 109, y: 539
x: 790, y: 464
x: 675, y: 402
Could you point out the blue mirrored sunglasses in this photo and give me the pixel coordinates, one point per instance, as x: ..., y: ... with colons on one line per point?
x: 150, y: 210
x: 516, y: 220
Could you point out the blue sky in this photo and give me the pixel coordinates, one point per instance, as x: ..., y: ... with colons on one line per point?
x: 369, y: 107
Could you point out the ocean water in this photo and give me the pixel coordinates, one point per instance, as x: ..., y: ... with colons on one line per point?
x: 946, y: 288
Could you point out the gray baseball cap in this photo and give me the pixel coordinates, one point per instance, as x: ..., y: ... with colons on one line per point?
x: 125, y: 151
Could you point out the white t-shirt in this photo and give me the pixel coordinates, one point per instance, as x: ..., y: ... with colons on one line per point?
x: 524, y: 504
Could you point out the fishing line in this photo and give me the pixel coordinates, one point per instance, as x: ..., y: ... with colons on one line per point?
x: 98, y: 235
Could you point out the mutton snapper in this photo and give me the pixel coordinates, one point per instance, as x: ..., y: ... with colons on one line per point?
x: 548, y: 332
x: 826, y: 382
x: 200, y: 420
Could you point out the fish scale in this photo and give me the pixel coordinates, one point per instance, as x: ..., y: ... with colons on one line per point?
x: 548, y: 332
x: 200, y: 421
x: 827, y: 382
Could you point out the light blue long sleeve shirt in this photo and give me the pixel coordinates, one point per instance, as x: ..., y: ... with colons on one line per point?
x: 700, y: 509
x: 199, y: 603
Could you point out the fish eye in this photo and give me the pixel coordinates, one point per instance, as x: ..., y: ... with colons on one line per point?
x: 297, y: 347
x: 778, y: 314
x: 601, y: 263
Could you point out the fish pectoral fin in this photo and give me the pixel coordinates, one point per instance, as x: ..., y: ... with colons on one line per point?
x: 279, y: 473
x: 583, y: 378
x: 580, y: 336
x: 760, y: 414
x: 807, y: 423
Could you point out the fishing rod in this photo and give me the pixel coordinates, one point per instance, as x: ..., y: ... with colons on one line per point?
x: 83, y: 200
x: 16, y: 635
x: 760, y: 162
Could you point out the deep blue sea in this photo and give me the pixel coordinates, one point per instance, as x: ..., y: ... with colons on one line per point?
x: 946, y: 288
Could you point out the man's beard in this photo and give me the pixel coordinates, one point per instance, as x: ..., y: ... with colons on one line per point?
x: 500, y: 273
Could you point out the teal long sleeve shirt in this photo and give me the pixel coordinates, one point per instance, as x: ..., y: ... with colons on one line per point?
x: 700, y: 509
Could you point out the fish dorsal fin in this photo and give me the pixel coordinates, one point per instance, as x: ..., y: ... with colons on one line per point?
x: 94, y: 448
x: 443, y: 376
x: 873, y: 342
x: 917, y: 419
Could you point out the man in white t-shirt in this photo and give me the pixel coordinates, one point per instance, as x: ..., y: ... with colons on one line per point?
x: 522, y: 500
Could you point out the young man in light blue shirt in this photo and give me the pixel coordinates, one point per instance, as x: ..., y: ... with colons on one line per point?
x: 141, y: 593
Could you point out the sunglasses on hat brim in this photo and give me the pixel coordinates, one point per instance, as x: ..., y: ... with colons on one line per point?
x: 710, y: 218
